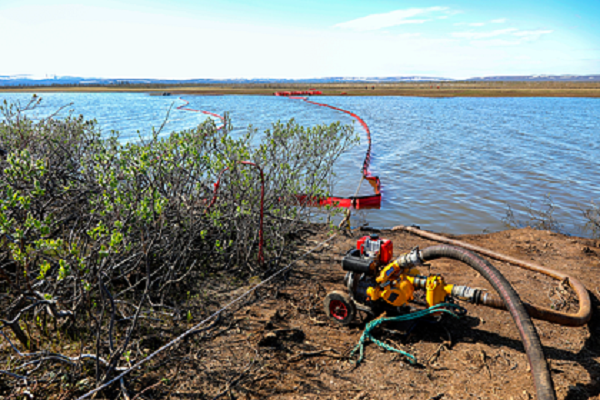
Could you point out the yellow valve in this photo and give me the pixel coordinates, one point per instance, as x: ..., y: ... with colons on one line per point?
x: 436, y: 290
x: 397, y: 293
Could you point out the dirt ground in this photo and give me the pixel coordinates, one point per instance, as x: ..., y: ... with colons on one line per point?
x: 280, y: 345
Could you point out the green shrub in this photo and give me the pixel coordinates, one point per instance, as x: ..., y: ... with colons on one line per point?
x: 87, y: 221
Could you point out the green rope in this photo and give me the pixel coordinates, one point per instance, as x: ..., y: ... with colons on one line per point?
x: 448, y: 308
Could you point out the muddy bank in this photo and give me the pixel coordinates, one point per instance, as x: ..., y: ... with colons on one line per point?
x: 281, y: 346
x: 278, y: 344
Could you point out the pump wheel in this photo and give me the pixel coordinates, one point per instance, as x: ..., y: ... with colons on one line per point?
x: 339, y: 307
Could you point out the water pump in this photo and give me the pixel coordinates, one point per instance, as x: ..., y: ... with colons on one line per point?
x: 375, y: 283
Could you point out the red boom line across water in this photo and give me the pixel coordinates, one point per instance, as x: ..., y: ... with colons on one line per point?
x: 184, y: 107
x: 373, y: 201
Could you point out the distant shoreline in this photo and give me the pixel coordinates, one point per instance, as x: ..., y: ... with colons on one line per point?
x: 411, y: 89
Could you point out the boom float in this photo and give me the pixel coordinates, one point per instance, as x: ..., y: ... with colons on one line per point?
x: 184, y: 107
x: 372, y: 201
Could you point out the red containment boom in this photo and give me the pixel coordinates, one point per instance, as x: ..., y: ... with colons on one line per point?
x: 373, y: 201
x: 184, y: 107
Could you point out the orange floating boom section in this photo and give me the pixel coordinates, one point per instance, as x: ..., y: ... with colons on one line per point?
x: 373, y: 201
x: 184, y: 107
x: 357, y: 202
x: 299, y: 93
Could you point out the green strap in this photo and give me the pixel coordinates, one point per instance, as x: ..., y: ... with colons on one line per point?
x: 448, y: 308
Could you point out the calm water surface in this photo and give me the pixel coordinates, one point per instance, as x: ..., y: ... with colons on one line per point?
x: 449, y: 165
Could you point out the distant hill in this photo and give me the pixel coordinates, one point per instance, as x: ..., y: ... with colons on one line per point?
x: 27, y: 80
x: 521, y: 78
x: 24, y: 80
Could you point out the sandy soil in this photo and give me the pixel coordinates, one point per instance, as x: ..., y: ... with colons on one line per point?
x: 281, y: 346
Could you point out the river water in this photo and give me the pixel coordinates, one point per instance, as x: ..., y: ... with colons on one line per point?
x: 446, y: 164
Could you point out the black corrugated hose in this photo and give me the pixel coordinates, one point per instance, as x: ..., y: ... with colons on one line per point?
x: 539, y: 367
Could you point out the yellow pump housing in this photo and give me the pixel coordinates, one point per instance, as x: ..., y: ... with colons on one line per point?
x: 396, y: 285
x: 397, y: 293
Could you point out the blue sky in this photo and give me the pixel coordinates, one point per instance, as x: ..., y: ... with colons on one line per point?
x: 181, y: 39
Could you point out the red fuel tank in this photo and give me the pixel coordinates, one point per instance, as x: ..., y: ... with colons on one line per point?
x: 372, y: 244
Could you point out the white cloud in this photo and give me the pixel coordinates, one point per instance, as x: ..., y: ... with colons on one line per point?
x: 443, y: 17
x: 379, y: 21
x: 414, y: 21
x: 494, y: 21
x: 512, y: 37
x: 483, y: 35
x: 408, y: 35
x: 537, y: 33
x: 469, y: 24
x: 495, y: 42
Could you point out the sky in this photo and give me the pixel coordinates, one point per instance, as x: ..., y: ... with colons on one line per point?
x: 221, y: 39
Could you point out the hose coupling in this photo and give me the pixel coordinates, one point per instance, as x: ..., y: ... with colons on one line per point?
x: 412, y: 258
x: 419, y: 281
x: 468, y: 294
